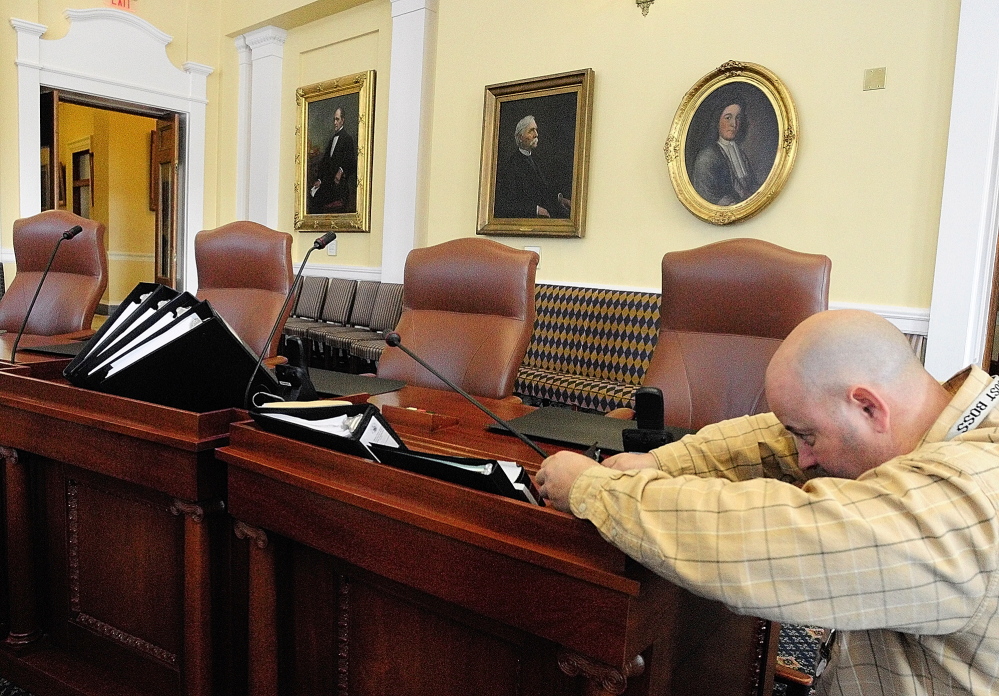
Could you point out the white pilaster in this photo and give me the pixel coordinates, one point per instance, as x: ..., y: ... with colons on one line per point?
x: 264, y: 123
x: 414, y: 37
x: 243, y: 130
x: 29, y: 130
x: 966, y: 244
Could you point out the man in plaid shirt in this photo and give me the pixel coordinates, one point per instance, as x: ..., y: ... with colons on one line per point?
x: 891, y: 533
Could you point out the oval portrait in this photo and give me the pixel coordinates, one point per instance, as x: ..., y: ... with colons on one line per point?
x: 732, y: 143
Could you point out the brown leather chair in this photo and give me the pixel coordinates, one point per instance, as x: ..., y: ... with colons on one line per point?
x: 244, y: 271
x: 76, y: 281
x: 726, y: 307
x: 468, y: 310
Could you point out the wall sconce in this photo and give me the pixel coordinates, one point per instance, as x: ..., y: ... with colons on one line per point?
x: 644, y: 4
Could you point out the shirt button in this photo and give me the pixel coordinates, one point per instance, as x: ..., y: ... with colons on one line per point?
x: 582, y: 507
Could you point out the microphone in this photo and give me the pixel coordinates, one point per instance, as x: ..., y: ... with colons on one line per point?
x: 651, y: 431
x: 320, y: 243
x: 68, y: 234
x: 395, y: 340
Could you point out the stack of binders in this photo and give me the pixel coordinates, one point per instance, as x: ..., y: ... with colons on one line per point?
x: 168, y: 348
x: 361, y: 430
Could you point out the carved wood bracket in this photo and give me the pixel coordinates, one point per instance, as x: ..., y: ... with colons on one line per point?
x: 196, y: 511
x: 602, y: 680
x: 245, y: 531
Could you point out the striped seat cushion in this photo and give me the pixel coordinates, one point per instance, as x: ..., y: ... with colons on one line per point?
x: 368, y: 350
x: 572, y: 390
x: 384, y: 316
x: 336, y: 309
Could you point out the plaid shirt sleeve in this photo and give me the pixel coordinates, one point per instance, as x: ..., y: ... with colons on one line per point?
x: 738, y: 450
x: 911, y: 545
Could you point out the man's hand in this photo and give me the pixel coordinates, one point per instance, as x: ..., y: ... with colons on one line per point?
x: 628, y: 461
x: 339, y: 175
x: 557, y: 475
x: 542, y: 212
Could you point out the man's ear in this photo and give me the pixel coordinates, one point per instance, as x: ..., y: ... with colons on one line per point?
x: 874, y: 408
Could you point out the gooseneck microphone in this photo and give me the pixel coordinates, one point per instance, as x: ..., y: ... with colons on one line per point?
x: 320, y: 243
x: 395, y: 340
x: 68, y: 234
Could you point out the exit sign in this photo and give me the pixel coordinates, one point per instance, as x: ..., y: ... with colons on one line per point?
x: 122, y: 4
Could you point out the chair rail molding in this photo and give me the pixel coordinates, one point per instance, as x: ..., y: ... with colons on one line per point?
x: 113, y: 54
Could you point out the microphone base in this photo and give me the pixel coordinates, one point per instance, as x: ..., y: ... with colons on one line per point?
x: 636, y: 440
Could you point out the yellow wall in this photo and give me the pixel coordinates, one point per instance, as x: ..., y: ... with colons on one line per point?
x: 120, y: 143
x: 865, y: 188
x: 867, y: 182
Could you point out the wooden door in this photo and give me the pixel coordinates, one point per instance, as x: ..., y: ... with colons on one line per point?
x: 163, y: 184
x: 51, y: 194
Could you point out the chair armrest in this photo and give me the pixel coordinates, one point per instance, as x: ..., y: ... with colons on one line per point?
x: 81, y: 335
x: 623, y: 413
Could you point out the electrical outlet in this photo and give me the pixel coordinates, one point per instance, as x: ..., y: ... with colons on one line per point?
x: 874, y: 78
x: 331, y: 248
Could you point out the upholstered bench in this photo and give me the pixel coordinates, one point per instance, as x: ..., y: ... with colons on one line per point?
x: 590, y: 347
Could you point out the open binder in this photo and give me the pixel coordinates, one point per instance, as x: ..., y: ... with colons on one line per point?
x: 362, y: 431
x: 169, y: 348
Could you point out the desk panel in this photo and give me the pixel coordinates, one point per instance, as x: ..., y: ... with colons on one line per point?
x: 435, y: 587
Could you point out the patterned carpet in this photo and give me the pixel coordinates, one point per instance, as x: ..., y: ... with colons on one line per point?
x: 8, y: 689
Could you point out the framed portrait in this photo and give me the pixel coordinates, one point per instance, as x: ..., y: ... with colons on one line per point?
x: 732, y: 143
x: 333, y: 155
x: 535, y: 156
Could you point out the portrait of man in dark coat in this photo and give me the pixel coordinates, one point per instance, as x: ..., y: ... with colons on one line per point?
x: 333, y: 189
x: 523, y: 189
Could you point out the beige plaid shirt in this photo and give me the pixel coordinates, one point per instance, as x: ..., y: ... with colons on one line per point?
x: 904, y: 559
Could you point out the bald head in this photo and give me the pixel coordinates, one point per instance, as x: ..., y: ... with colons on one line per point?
x: 849, y: 388
x: 831, y: 350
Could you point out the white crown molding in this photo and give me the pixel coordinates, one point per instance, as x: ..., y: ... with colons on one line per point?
x: 111, y: 15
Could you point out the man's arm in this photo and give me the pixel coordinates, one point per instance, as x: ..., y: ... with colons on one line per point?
x: 882, y: 551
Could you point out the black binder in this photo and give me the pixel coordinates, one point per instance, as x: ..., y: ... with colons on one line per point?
x: 202, y: 368
x: 507, y: 479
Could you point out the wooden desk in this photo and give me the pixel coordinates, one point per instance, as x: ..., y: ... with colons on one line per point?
x: 42, y: 366
x: 115, y: 542
x: 363, y: 579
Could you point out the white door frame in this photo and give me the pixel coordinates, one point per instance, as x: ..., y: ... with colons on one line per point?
x: 113, y: 54
x: 969, y: 210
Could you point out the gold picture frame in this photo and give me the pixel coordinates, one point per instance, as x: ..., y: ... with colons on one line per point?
x: 732, y: 143
x: 333, y: 160
x: 533, y: 184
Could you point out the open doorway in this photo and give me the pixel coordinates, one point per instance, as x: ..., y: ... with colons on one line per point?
x: 119, y: 164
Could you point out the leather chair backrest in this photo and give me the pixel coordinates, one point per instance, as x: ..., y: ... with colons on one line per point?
x: 726, y: 307
x: 468, y: 310
x: 76, y: 281
x: 244, y: 271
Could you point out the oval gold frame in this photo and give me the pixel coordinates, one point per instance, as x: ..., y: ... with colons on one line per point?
x: 787, y: 145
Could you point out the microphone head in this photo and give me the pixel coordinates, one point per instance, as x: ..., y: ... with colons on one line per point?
x: 393, y: 339
x: 72, y: 232
x: 324, y: 241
